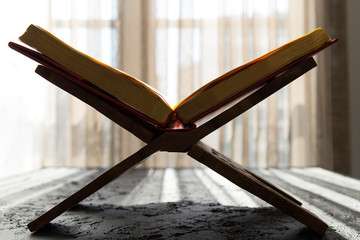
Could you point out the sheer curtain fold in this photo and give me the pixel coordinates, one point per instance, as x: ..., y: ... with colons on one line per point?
x: 333, y: 95
x: 177, y: 46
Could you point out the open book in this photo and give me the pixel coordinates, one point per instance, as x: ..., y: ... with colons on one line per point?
x: 148, y: 103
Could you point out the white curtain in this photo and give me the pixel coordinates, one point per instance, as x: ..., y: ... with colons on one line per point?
x: 175, y: 46
x: 23, y: 94
x: 196, y: 41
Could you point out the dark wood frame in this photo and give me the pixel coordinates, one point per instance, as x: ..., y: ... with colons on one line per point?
x: 186, y: 141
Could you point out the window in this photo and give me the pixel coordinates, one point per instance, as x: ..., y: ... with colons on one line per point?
x: 176, y: 46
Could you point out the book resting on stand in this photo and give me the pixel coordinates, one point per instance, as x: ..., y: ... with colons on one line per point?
x: 129, y: 102
x: 146, y: 102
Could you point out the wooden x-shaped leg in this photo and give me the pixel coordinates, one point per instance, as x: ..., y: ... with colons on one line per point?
x: 185, y: 141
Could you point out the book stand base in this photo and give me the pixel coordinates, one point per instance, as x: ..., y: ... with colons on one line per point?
x: 186, y: 142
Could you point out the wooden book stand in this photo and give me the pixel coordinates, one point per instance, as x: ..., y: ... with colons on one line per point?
x: 185, y: 141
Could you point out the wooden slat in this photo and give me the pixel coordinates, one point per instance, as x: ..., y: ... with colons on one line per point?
x: 256, y: 185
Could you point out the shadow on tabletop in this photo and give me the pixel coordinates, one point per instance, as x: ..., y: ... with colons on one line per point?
x: 176, y: 220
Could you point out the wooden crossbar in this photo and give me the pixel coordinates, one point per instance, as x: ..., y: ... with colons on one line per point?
x: 188, y: 142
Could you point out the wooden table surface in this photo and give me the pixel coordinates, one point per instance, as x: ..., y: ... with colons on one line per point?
x: 176, y: 204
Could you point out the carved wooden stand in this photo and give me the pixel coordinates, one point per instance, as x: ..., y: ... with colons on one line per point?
x: 187, y: 142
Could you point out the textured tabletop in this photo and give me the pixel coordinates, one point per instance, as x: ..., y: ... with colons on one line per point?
x: 176, y: 204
